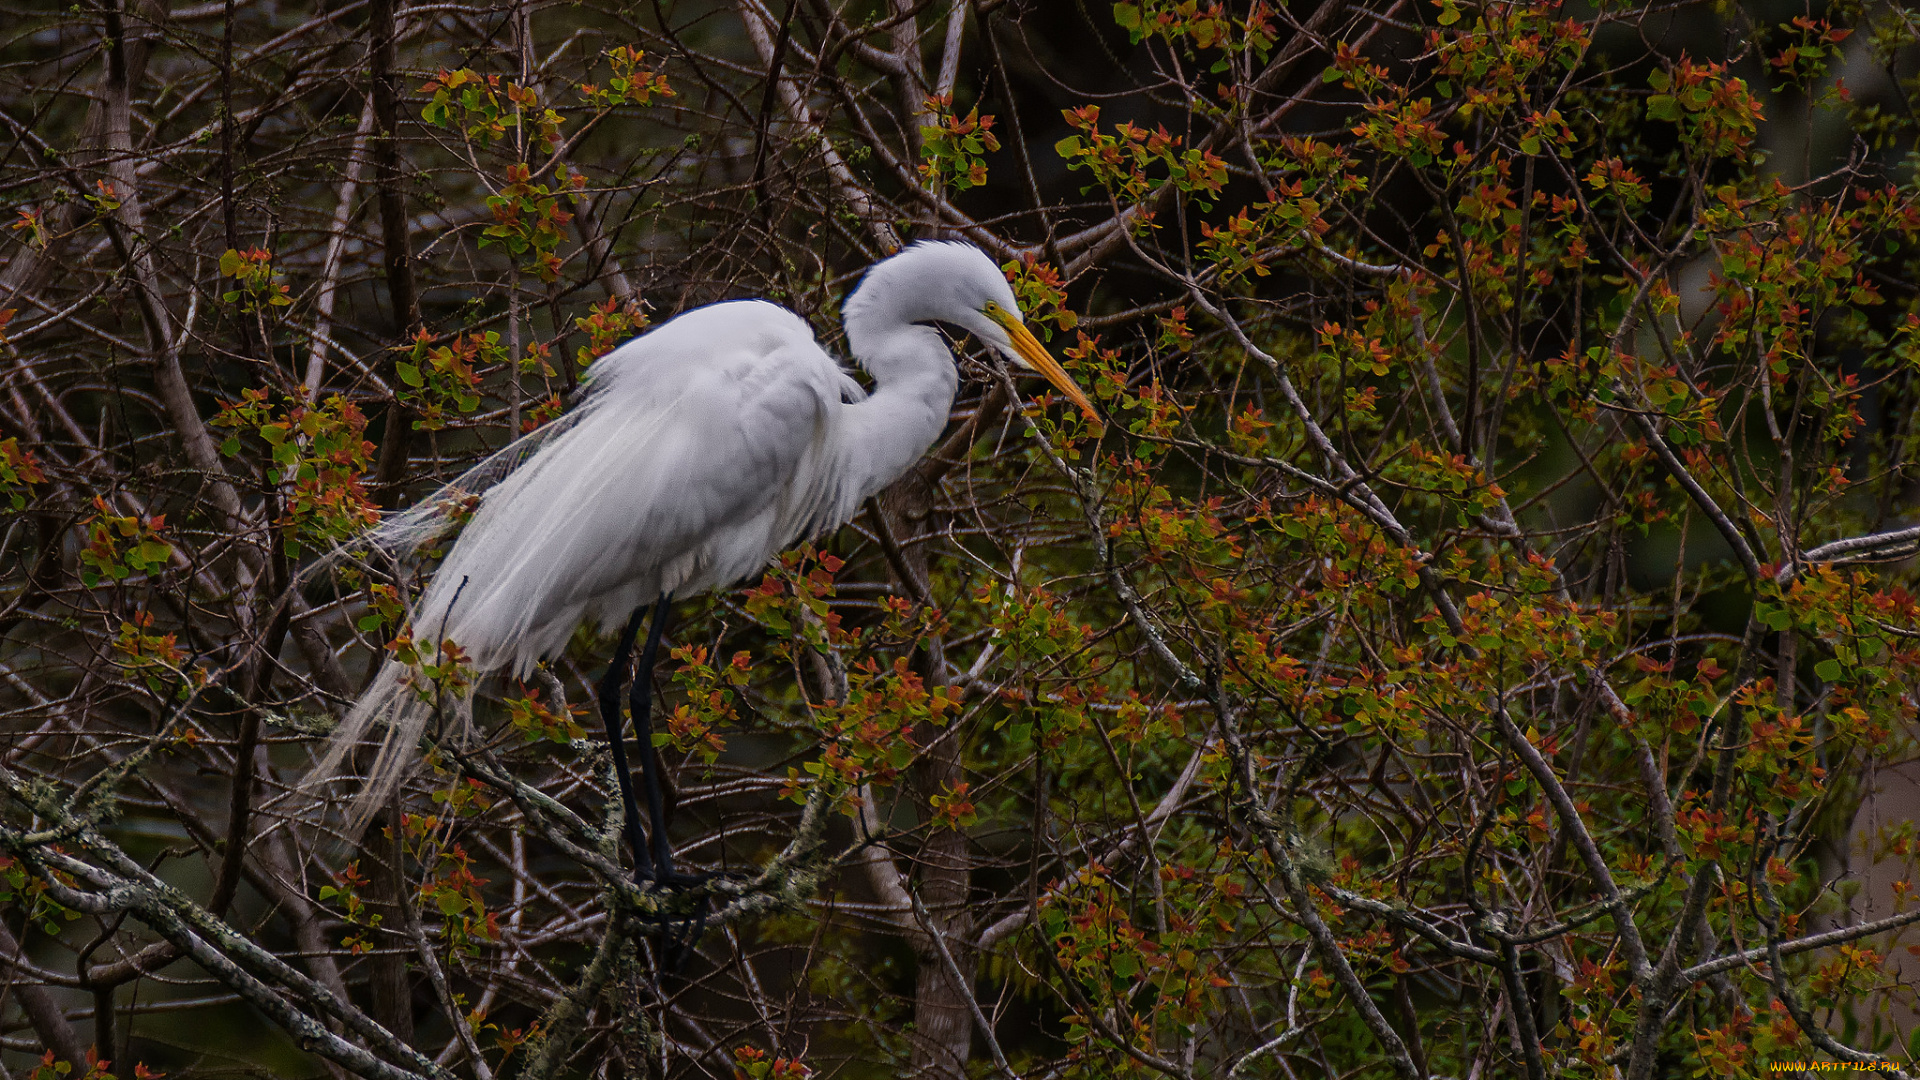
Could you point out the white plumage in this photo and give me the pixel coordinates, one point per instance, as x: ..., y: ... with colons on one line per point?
x: 698, y: 452
x: 746, y: 408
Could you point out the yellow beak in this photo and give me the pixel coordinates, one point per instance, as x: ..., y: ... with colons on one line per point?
x: 1040, y: 360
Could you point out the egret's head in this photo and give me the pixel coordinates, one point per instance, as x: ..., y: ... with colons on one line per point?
x: 1005, y: 331
x: 956, y: 283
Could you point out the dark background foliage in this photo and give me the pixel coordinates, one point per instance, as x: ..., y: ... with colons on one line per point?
x: 1479, y: 644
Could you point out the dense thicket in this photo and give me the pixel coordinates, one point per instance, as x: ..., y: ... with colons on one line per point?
x: 1464, y: 653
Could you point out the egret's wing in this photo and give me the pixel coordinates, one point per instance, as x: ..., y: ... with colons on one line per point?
x: 643, y: 368
x: 705, y: 441
x: 685, y: 454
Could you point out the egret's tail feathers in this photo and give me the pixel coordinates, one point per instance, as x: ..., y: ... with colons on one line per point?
x: 385, y: 725
x: 377, y: 745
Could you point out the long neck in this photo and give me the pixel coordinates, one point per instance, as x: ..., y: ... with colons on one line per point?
x: 915, y: 381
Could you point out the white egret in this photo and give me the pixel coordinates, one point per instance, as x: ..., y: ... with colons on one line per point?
x: 698, y: 452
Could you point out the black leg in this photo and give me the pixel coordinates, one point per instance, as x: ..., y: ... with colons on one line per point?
x: 609, y: 692
x: 642, y: 702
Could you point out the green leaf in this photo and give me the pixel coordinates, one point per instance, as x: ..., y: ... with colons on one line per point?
x: 1829, y: 670
x: 230, y: 263
x: 410, y: 374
